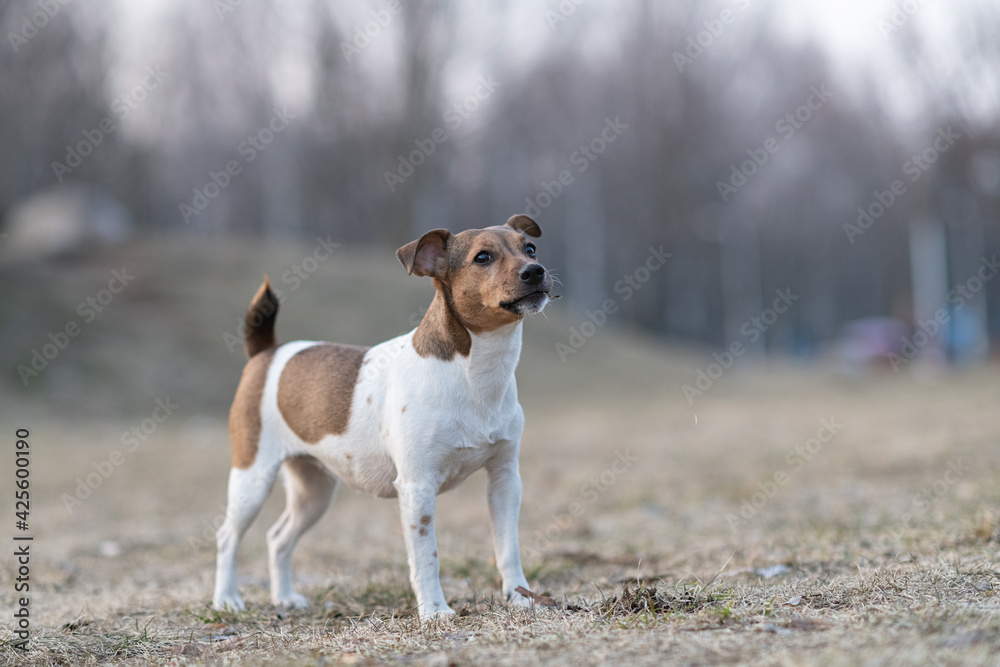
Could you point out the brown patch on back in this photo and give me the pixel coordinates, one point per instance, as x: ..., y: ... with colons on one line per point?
x: 316, y: 389
x: 404, y: 409
x: 244, y: 415
x: 425, y: 519
x: 423, y: 532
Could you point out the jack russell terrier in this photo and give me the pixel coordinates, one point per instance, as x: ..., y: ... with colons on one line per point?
x: 409, y: 418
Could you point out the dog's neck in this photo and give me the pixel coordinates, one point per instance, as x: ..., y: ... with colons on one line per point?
x: 493, y: 359
x: 489, y: 357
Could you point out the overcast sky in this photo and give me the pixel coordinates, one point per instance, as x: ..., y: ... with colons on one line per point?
x: 863, y: 37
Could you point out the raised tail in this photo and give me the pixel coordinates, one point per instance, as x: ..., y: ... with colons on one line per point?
x: 261, y: 315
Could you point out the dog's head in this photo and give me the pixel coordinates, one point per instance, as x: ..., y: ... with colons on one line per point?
x: 491, y: 277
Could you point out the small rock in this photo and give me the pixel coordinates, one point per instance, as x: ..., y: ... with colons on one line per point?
x: 773, y: 571
x: 778, y: 630
x: 109, y: 549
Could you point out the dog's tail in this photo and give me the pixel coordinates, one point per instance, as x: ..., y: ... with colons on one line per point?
x: 261, y: 315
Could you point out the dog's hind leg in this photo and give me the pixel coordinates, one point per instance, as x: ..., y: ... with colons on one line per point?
x: 309, y: 489
x: 248, y: 489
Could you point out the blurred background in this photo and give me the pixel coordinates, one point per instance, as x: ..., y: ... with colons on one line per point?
x: 825, y: 178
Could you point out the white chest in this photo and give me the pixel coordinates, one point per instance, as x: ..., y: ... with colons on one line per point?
x: 458, y: 414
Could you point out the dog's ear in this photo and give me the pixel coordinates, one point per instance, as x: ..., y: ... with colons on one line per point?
x: 428, y: 255
x: 524, y: 224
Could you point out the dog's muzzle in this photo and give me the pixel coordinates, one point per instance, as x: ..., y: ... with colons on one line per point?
x: 532, y: 276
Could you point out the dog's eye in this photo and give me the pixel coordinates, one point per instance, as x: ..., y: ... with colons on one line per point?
x: 482, y: 258
x: 530, y: 249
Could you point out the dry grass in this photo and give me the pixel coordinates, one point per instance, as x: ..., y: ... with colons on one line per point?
x: 870, y: 553
x: 652, y: 571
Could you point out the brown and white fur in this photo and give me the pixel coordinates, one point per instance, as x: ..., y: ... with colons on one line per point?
x: 409, y: 418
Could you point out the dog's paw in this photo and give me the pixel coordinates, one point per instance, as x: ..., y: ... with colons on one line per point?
x: 439, y: 614
x: 231, y: 602
x: 292, y: 601
x: 515, y: 598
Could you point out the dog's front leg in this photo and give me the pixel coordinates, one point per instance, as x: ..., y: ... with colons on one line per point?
x: 504, y: 497
x: 416, y: 506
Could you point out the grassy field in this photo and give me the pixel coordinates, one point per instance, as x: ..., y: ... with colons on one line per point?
x: 789, y: 517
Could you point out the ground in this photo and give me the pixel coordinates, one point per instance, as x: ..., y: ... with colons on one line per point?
x: 791, y: 515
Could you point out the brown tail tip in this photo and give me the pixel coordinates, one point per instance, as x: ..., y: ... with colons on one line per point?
x: 261, y: 314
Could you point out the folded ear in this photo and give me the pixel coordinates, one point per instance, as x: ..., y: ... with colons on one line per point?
x: 428, y: 255
x: 524, y: 224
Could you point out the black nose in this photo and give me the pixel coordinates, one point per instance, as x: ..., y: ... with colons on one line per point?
x: 532, y: 274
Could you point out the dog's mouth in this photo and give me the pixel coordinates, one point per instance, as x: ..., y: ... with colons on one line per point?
x: 531, y: 302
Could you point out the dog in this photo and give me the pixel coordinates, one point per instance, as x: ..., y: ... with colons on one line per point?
x: 409, y: 418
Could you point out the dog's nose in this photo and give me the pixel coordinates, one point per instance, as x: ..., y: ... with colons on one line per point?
x: 532, y: 274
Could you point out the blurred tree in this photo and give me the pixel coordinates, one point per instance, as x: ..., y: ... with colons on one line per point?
x: 684, y: 124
